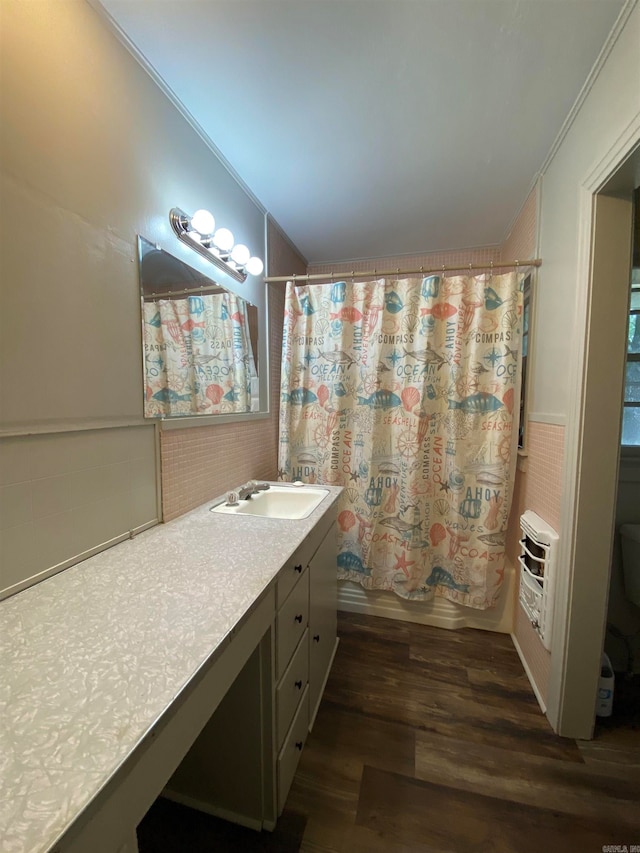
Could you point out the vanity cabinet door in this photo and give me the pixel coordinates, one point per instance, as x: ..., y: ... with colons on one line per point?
x: 323, y: 593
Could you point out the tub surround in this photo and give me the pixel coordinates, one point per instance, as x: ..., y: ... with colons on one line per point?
x: 521, y: 242
x: 97, y: 659
x: 439, y: 612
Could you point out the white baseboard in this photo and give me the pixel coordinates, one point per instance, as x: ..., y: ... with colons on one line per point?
x: 532, y: 682
x: 439, y: 612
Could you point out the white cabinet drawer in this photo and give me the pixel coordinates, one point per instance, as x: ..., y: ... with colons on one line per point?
x: 291, y: 623
x: 294, y: 567
x: 291, y: 688
x: 290, y: 574
x: 292, y: 749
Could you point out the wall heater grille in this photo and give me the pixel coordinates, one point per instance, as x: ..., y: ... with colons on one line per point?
x: 538, y: 556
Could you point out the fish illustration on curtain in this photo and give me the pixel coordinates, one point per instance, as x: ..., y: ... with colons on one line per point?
x: 403, y: 391
x: 198, y: 356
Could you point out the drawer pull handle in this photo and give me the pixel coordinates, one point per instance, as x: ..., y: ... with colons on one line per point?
x: 298, y: 568
x: 299, y: 685
x: 299, y: 745
x: 316, y: 638
x: 299, y: 618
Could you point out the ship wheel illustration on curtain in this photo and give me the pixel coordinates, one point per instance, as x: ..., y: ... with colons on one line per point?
x: 403, y: 392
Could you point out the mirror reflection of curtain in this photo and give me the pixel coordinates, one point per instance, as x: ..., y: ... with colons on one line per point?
x: 403, y: 391
x: 198, y: 356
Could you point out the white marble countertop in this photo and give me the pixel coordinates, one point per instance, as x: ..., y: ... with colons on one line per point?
x: 91, y: 658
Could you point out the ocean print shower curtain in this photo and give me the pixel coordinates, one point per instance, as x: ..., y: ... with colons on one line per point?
x: 198, y: 355
x: 403, y: 391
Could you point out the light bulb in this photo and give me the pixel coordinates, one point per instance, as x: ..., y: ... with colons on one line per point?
x: 223, y: 239
x: 240, y: 254
x: 203, y: 222
x: 254, y: 266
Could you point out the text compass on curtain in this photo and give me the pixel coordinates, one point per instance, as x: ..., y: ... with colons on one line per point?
x: 217, y: 245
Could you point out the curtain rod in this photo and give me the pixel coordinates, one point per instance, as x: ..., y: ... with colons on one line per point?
x: 153, y: 296
x: 341, y: 274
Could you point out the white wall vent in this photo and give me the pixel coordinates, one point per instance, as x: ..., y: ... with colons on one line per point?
x: 538, y: 557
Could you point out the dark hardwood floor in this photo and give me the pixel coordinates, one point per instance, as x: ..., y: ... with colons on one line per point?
x: 431, y: 741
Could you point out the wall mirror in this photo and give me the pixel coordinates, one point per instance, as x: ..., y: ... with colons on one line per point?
x: 200, y: 341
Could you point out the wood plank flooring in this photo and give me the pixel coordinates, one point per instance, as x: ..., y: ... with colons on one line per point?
x: 431, y: 741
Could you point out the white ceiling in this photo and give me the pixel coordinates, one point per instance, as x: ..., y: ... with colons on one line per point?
x: 377, y: 127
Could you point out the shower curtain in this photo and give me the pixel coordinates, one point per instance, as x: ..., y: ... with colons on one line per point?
x: 404, y: 391
x: 198, y: 356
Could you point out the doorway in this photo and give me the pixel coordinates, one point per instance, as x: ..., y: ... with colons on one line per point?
x: 593, y: 445
x: 622, y: 639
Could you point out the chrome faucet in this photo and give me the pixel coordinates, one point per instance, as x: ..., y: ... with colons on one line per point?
x: 245, y: 493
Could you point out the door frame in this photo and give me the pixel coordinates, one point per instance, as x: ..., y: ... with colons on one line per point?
x: 592, y: 443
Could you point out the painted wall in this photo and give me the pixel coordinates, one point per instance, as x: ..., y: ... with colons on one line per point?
x: 90, y: 160
x: 608, y: 114
x: 66, y: 495
x: 93, y: 153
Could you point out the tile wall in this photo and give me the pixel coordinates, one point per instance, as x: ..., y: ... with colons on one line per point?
x: 543, y: 492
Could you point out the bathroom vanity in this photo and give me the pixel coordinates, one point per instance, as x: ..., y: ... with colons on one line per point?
x: 242, y: 764
x: 188, y: 661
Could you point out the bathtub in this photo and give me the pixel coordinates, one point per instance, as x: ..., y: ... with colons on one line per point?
x: 439, y: 612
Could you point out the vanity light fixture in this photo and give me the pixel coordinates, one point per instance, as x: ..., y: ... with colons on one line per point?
x: 199, y: 232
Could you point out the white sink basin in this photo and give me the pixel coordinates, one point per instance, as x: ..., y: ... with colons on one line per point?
x: 278, y: 502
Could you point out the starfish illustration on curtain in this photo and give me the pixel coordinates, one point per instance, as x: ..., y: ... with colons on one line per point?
x: 403, y: 392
